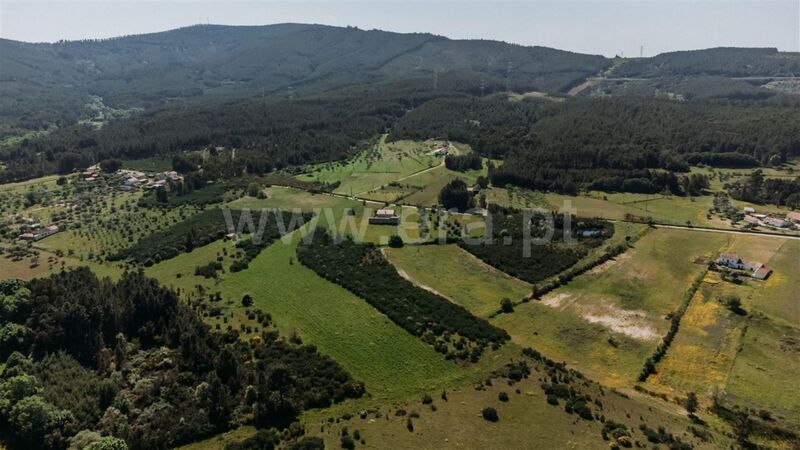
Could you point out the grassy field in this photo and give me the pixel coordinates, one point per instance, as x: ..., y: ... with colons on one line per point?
x: 721, y: 176
x: 671, y: 210
x: 21, y: 186
x: 776, y: 296
x: 178, y: 272
x: 458, y: 276
x: 779, y: 294
x: 376, y: 167
x: 704, y: 349
x: 746, y: 359
x: 609, y: 320
x: 219, y: 441
x: 764, y: 374
x: 525, y: 421
x: 368, y: 345
x: 29, y: 267
x: 430, y: 184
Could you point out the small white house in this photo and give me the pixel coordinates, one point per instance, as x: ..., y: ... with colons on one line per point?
x: 749, y: 210
x: 731, y: 260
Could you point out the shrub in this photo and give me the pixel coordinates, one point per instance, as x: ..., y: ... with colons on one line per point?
x: 347, y: 442
x: 307, y: 443
x: 395, y: 241
x: 503, y: 397
x: 490, y: 414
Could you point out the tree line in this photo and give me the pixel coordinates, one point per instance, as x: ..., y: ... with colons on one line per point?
x: 363, y: 270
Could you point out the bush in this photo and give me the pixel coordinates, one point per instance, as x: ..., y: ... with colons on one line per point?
x: 347, y: 442
x: 395, y: 241
x: 307, y: 443
x: 490, y: 414
x: 503, y: 397
x: 247, y: 300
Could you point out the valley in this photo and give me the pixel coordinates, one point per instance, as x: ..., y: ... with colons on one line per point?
x: 393, y: 240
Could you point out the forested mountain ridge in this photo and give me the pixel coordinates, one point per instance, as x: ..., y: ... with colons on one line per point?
x: 44, y: 83
x: 722, y: 61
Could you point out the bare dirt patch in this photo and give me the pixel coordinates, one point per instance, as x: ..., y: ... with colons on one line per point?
x: 556, y: 300
x: 609, y: 264
x: 633, y: 323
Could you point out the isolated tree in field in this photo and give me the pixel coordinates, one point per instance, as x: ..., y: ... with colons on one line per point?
x: 733, y: 303
x: 455, y: 195
x: 490, y: 414
x: 247, y: 300
x: 506, y: 305
x: 691, y: 403
x: 395, y: 241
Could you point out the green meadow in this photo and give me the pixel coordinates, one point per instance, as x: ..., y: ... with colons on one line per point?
x: 458, y: 276
x: 372, y: 348
x: 377, y: 166
x: 610, y: 319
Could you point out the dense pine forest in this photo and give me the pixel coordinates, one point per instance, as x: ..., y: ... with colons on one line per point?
x: 87, y: 357
x: 616, y: 144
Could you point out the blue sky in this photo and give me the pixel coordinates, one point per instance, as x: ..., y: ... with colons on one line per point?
x: 599, y: 27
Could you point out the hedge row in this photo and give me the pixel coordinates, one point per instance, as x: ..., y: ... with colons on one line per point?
x: 362, y: 269
x: 650, y: 364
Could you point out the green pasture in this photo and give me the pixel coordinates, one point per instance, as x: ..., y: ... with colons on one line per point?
x: 458, y: 276
x: 375, y: 167
x: 372, y: 348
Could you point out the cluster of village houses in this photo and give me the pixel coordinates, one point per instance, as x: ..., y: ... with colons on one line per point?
x: 792, y: 219
x: 134, y: 179
x: 131, y: 179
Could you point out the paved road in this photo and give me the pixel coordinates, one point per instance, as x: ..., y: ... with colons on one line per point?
x: 719, y: 230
